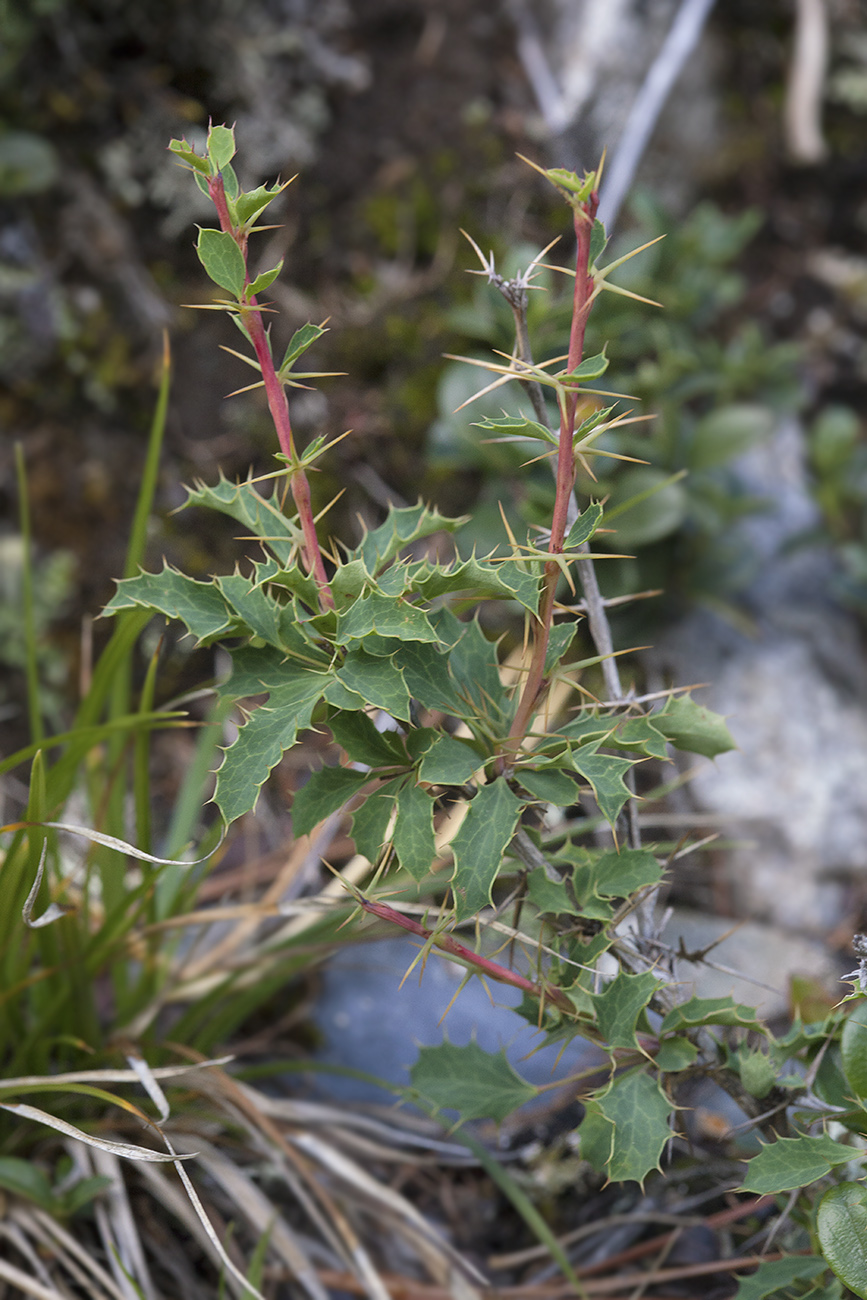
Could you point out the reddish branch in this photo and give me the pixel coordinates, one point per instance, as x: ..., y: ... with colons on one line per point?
x: 277, y: 405
x: 584, y: 217
x: 545, y: 991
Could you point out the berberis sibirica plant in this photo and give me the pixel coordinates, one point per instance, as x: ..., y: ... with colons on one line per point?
x: 508, y: 770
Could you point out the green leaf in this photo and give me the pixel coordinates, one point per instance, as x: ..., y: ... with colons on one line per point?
x: 616, y: 874
x: 377, y: 680
x: 268, y: 618
x: 402, y: 527
x: 620, y: 1004
x: 230, y: 185
x: 263, y: 280
x: 448, y: 762
x: 222, y: 259
x: 550, y: 896
x: 549, y: 785
x: 605, y: 774
x: 300, y: 341
x: 248, y: 206
x: 370, y: 820
x: 598, y: 240
x: 841, y: 1222
x: 777, y: 1275
x: 758, y: 1072
x: 221, y: 146
x: 584, y: 527
x: 479, y: 845
x: 325, y: 792
x: 639, y: 734
x: 271, y: 729
x: 590, y: 368
x: 261, y: 517
x: 675, y: 1054
x: 560, y: 639
x: 475, y: 669
x: 794, y: 1162
x: 358, y: 736
x: 24, y: 1178
x: 692, y: 727
x: 510, y: 424
x: 386, y: 616
x: 710, y: 1011
x: 426, y: 673
x: 629, y: 1129
x: 413, y: 833
x: 853, y: 1050
x: 581, y: 186
x: 480, y: 579
x: 188, y: 154
x: 477, y: 1084
x: 198, y: 605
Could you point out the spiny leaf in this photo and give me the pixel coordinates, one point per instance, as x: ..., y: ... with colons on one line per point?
x: 616, y: 874
x: 385, y: 616
x: 221, y: 146
x: 584, y: 527
x: 512, y: 423
x: 325, y: 792
x: 300, y: 341
x: 550, y: 785
x: 402, y: 527
x: 198, y: 605
x: 478, y: 1084
x: 794, y: 1162
x: 479, y: 845
x: 260, y: 516
x: 264, y: 279
x: 550, y: 896
x: 710, y: 1011
x: 355, y: 732
x: 249, y: 205
x: 589, y: 368
x: 620, y: 1004
x: 605, y: 774
x: 853, y: 1050
x: 693, y: 727
x: 370, y: 820
x: 629, y: 1128
x: 377, y: 680
x: 448, y: 762
x: 413, y: 832
x: 272, y: 729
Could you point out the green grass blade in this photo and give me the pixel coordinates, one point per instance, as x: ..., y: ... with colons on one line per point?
x: 147, y: 490
x: 30, y: 660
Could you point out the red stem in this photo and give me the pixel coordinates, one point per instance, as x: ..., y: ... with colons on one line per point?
x: 277, y: 405
x: 549, y: 992
x: 584, y: 217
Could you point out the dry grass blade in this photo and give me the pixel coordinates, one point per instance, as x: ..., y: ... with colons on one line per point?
x: 120, y: 1230
x: 235, y: 1274
x: 382, y: 1197
x: 125, y: 1149
x: 260, y: 1214
x: 56, y: 1243
x: 26, y: 1284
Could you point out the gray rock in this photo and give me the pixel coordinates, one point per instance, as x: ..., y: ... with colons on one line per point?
x: 370, y: 1022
